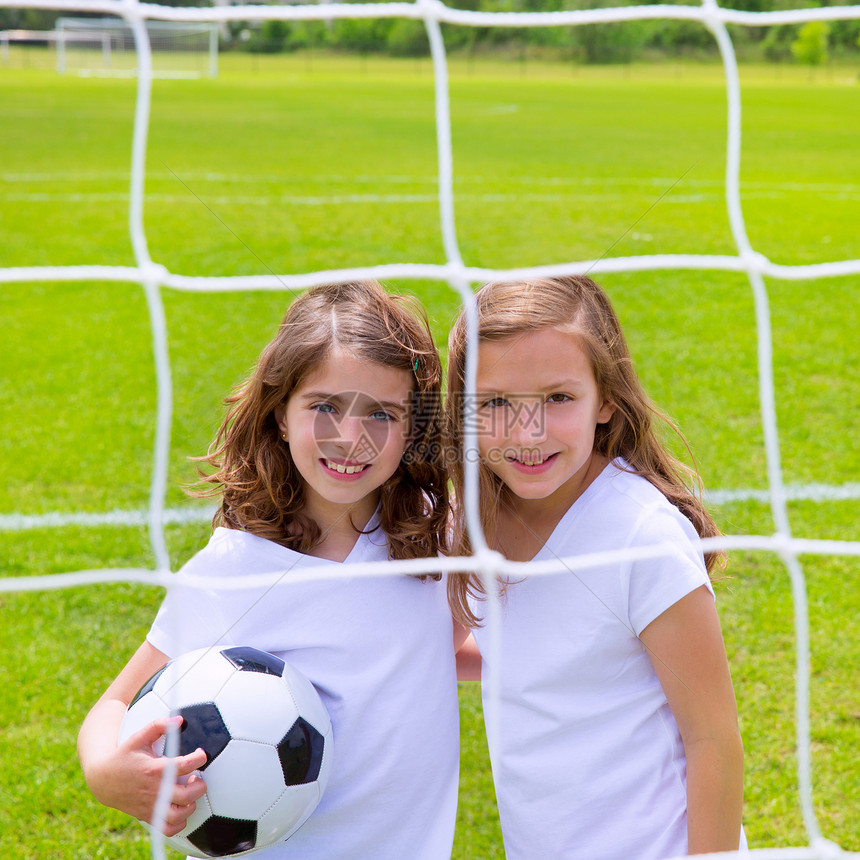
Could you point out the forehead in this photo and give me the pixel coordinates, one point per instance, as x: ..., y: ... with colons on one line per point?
x: 342, y: 371
x: 532, y: 361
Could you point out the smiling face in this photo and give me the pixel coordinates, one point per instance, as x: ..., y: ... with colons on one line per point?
x: 347, y: 426
x: 538, y: 405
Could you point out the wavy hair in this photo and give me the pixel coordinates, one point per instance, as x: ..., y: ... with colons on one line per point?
x: 260, y: 487
x: 579, y: 306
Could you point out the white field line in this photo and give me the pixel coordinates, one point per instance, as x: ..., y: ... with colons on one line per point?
x: 793, y: 493
x: 198, y: 514
x: 567, y: 188
x: 383, y: 199
x: 119, y: 518
x: 54, y: 177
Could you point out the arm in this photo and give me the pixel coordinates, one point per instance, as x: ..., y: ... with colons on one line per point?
x: 128, y: 776
x: 468, y: 656
x: 686, y: 648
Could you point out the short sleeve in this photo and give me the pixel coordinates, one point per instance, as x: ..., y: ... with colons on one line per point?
x: 655, y: 584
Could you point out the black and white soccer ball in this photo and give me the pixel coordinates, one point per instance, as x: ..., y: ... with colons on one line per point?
x: 267, y: 738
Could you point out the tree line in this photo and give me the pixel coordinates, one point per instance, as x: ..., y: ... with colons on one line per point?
x: 814, y: 43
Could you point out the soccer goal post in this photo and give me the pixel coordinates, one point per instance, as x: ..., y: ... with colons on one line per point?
x: 105, y: 46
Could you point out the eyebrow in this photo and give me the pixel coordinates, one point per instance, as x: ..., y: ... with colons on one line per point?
x: 390, y: 404
x: 563, y: 383
x: 555, y: 386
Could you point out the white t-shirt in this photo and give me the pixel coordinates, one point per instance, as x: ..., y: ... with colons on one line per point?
x: 380, y: 652
x: 589, y: 761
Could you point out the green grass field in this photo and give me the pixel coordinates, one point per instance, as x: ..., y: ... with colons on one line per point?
x: 294, y: 164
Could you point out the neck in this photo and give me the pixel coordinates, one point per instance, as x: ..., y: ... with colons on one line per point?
x: 339, y: 525
x: 525, y: 525
x: 556, y: 505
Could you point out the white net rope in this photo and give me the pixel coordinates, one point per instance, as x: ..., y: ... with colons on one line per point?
x: 154, y: 278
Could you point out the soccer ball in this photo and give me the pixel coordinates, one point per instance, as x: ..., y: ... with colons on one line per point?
x: 267, y: 738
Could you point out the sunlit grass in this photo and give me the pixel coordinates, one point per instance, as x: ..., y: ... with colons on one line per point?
x: 292, y: 164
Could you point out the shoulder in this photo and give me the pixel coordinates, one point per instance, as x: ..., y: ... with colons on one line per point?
x: 228, y: 548
x: 226, y: 541
x: 634, y: 502
x: 622, y: 485
x: 640, y: 503
x: 672, y: 565
x: 621, y: 510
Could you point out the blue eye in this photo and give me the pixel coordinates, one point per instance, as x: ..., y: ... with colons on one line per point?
x: 382, y: 415
x: 326, y: 408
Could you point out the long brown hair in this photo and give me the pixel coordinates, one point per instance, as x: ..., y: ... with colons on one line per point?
x: 579, y: 306
x: 260, y: 487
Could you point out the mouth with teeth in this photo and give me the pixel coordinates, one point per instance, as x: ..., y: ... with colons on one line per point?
x: 531, y: 463
x: 345, y: 470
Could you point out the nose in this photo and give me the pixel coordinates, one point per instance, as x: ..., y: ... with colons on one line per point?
x: 350, y: 429
x: 361, y: 439
x: 528, y: 425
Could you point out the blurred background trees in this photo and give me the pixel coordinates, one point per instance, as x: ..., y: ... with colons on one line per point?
x: 814, y: 43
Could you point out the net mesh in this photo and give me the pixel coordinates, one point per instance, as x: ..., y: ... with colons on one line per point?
x: 106, y: 46
x: 154, y: 278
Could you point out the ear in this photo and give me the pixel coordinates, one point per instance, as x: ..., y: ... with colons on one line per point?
x: 607, y: 410
x: 281, y: 419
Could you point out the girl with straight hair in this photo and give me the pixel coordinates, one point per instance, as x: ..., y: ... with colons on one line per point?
x: 618, y: 734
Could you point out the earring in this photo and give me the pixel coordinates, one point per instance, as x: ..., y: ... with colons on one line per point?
x: 284, y: 436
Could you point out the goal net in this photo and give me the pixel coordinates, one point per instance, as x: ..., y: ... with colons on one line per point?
x: 138, y: 46
x: 27, y: 48
x: 106, y: 46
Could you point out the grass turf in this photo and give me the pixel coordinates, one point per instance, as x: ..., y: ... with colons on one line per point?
x: 289, y: 165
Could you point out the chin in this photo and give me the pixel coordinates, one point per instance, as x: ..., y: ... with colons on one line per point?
x: 532, y: 493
